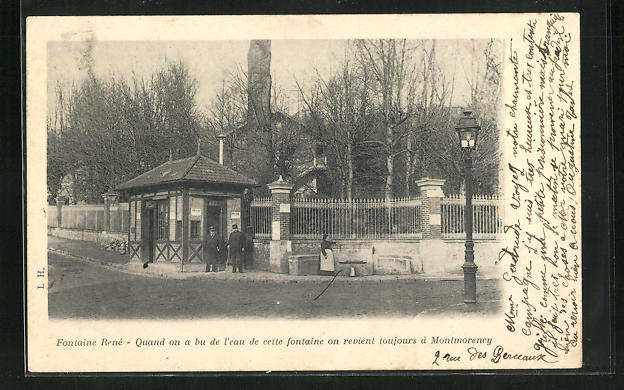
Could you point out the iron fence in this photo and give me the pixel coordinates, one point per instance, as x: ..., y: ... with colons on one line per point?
x: 358, y: 219
x: 486, y: 218
x: 260, y: 216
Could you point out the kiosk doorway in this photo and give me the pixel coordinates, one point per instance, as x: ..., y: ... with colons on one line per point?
x: 215, y: 218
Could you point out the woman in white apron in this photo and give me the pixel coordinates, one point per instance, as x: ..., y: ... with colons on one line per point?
x: 327, y: 257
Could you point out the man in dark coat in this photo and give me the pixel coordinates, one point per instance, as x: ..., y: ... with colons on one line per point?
x: 212, y: 250
x: 237, y: 248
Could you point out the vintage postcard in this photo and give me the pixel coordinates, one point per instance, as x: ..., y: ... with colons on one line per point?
x: 321, y: 193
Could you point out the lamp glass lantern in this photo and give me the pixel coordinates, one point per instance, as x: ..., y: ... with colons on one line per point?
x: 467, y: 131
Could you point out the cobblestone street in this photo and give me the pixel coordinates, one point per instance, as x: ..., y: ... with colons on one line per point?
x: 82, y: 289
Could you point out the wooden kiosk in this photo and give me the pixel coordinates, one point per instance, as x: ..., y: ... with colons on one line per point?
x: 172, y: 206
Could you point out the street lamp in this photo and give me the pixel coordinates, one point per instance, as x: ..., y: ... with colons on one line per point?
x: 468, y: 131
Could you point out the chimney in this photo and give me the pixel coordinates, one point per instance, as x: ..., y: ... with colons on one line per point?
x: 221, y: 137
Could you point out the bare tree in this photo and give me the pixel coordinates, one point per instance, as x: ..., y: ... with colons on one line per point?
x: 484, y: 79
x: 260, y: 148
x: 113, y: 130
x: 228, y: 112
x: 55, y: 124
x: 438, y: 153
x: 340, y: 112
x: 389, y: 61
x: 428, y: 100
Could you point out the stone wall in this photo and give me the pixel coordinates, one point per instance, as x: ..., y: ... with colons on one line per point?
x: 261, y: 255
x: 485, y: 253
x: 428, y: 257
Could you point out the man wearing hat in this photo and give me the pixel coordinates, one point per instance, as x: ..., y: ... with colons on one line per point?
x: 212, y: 248
x: 237, y: 247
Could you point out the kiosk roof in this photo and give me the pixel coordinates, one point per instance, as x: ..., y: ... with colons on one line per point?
x: 197, y: 169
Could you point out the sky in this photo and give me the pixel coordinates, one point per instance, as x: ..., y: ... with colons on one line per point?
x: 210, y: 62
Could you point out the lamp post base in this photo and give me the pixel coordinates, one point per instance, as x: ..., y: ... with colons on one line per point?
x: 470, y: 282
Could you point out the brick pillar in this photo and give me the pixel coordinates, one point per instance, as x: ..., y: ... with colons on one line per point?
x: 281, y: 246
x: 60, y: 201
x: 432, y: 194
x: 434, y: 256
x: 110, y: 198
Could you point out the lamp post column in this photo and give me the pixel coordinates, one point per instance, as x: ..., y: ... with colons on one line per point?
x: 469, y: 266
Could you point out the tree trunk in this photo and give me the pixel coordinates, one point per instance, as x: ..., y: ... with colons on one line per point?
x: 259, y: 95
x: 408, y: 165
x: 389, y: 163
x: 73, y: 190
x: 349, y: 172
x: 412, y: 167
x: 231, y: 155
x: 259, y: 84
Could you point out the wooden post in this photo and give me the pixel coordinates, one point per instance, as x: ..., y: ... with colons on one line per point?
x: 185, y: 226
x: 60, y: 201
x: 130, y: 216
x: 110, y: 198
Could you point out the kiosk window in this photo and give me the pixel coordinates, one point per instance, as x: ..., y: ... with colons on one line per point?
x: 163, y: 221
x: 195, y: 230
